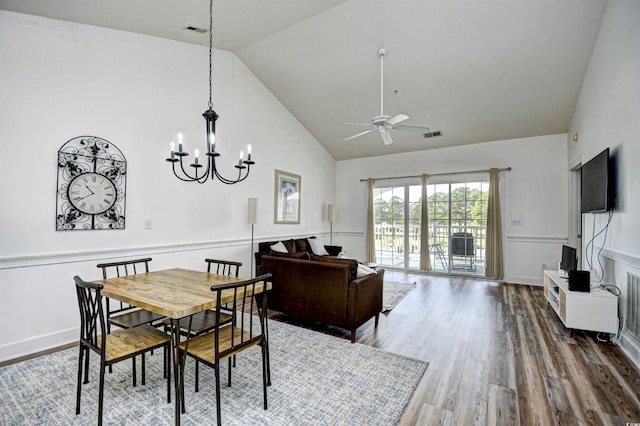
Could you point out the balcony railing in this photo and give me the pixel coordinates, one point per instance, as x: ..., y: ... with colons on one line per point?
x: 390, y: 247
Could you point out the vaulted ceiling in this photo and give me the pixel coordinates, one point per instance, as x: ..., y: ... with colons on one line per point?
x: 476, y: 70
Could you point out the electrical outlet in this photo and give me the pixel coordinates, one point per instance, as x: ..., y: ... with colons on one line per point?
x: 544, y: 266
x: 516, y: 222
x: 147, y: 225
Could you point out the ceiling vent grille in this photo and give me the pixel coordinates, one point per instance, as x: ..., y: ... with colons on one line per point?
x: 196, y: 29
x: 432, y: 134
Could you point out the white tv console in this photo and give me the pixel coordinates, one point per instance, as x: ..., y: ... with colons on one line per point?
x: 593, y: 311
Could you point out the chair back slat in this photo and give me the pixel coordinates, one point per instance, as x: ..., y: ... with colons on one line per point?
x: 244, y: 305
x: 121, y: 269
x: 92, y: 321
x: 224, y: 267
x: 124, y: 267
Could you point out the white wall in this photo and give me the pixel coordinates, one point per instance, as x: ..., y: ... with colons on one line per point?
x: 60, y: 80
x: 607, y: 116
x: 534, y: 191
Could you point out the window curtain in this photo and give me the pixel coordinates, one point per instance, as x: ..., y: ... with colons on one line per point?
x: 494, y: 267
x: 371, y: 238
x: 425, y: 258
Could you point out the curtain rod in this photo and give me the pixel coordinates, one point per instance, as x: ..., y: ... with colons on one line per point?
x: 437, y: 174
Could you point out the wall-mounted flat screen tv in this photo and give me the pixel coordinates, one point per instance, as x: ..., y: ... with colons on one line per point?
x: 596, y: 184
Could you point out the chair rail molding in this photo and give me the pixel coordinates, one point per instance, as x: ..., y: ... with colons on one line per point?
x: 43, y: 259
x: 93, y: 255
x: 548, y: 239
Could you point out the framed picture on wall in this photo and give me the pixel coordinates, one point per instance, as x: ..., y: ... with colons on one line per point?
x: 287, y: 197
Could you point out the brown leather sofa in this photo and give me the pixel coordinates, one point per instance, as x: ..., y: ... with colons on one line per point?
x: 324, y: 289
x: 295, y: 247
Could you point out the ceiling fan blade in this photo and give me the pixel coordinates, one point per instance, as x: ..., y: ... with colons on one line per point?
x: 358, y: 134
x: 406, y: 128
x: 398, y: 118
x: 386, y: 137
x: 358, y: 124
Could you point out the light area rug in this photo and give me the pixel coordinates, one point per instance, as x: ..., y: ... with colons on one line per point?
x: 393, y: 292
x: 317, y: 379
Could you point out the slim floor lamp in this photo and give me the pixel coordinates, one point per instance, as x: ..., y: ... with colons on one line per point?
x: 331, y: 216
x: 252, y: 219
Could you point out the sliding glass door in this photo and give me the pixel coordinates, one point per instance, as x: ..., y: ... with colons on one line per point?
x: 397, y: 226
x: 457, y: 226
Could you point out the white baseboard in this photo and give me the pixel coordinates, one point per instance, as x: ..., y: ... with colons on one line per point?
x: 518, y: 279
x: 35, y: 344
x: 631, y: 347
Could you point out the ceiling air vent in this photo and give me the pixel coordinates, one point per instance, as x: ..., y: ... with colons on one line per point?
x: 196, y: 29
x: 432, y: 134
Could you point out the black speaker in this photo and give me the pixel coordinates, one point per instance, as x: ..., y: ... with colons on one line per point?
x: 579, y: 281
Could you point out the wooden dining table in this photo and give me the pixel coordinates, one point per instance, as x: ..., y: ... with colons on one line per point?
x: 174, y: 293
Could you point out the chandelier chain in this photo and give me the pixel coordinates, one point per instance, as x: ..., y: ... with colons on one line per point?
x: 210, y: 51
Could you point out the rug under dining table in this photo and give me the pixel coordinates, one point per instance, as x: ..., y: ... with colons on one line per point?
x: 316, y: 379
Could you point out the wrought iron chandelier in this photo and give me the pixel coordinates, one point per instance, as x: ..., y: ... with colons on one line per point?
x: 210, y: 116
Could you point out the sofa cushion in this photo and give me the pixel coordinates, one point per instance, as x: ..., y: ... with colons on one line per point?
x: 353, y: 264
x: 363, y: 270
x: 285, y: 246
x: 297, y: 255
x: 279, y: 248
x: 290, y: 245
x: 317, y: 247
x: 302, y: 245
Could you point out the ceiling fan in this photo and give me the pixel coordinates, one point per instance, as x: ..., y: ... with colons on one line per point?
x: 384, y: 123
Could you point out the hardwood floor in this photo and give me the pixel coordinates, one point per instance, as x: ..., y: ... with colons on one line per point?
x: 498, y: 355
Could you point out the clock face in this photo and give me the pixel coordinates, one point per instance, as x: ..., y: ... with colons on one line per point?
x: 92, y: 193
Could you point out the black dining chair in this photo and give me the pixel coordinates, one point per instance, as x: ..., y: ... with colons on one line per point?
x: 224, y: 342
x: 224, y: 267
x: 205, y: 321
x: 122, y: 314
x: 112, y: 347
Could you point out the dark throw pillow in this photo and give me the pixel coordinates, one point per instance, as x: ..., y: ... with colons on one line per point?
x: 352, y: 263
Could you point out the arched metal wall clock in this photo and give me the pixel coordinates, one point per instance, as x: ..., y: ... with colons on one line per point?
x: 92, y: 178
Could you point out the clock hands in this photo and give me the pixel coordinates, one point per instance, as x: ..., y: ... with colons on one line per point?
x: 82, y: 198
x: 86, y: 196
